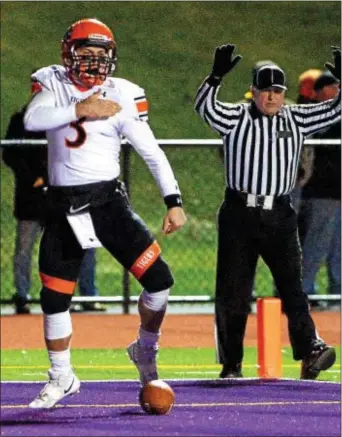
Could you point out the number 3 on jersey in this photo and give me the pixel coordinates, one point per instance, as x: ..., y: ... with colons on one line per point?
x: 81, y: 134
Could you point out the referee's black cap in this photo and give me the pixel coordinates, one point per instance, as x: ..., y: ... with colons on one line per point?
x: 269, y: 76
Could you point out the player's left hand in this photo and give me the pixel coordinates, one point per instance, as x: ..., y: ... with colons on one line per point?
x: 174, y: 219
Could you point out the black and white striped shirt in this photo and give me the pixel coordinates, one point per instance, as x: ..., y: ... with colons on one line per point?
x: 262, y: 152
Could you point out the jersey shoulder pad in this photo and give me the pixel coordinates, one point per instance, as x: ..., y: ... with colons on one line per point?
x: 44, y: 77
x: 134, y: 96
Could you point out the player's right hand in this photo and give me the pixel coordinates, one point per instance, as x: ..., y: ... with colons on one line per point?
x: 93, y: 107
x: 174, y: 219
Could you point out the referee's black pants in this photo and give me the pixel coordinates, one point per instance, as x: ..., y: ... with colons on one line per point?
x: 244, y: 233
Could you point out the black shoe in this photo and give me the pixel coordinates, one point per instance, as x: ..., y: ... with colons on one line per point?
x: 24, y: 309
x: 93, y: 306
x: 21, y: 304
x: 315, y: 305
x: 322, y: 357
x: 87, y: 306
x: 75, y: 308
x: 231, y: 371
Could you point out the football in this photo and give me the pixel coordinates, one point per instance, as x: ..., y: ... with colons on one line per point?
x: 157, y: 397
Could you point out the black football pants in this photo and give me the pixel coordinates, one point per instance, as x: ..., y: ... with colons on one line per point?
x: 244, y: 234
x: 121, y: 231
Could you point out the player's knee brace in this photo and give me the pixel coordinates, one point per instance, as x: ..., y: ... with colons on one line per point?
x: 53, y: 302
x: 157, y: 277
x: 156, y: 301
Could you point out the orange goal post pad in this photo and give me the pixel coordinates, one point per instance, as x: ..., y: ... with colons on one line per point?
x: 269, y: 337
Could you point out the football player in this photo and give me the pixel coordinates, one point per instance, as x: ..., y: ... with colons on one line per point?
x: 86, y: 113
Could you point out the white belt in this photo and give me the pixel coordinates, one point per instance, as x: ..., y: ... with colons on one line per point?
x: 254, y: 200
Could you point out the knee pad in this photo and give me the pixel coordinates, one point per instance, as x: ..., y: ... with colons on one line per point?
x: 156, y: 301
x: 53, y: 302
x: 157, y: 277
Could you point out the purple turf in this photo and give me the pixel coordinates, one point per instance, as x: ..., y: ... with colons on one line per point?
x: 112, y: 409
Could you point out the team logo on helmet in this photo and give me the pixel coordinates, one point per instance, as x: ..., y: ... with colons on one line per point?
x: 98, y: 36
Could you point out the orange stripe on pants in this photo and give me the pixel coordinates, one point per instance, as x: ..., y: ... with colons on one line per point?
x: 145, y: 260
x: 57, y: 284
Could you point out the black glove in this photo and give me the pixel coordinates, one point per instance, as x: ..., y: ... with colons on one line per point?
x: 224, y: 61
x: 335, y: 70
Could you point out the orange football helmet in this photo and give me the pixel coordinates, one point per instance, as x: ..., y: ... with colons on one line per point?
x: 86, y: 69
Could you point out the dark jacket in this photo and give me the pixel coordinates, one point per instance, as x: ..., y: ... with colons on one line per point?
x: 325, y: 181
x: 29, y: 164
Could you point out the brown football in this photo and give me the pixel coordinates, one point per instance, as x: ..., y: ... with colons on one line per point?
x: 156, y: 397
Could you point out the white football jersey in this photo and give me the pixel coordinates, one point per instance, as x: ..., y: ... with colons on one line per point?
x: 82, y: 151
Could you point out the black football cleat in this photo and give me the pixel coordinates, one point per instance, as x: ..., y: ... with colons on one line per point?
x: 231, y: 371
x: 322, y: 357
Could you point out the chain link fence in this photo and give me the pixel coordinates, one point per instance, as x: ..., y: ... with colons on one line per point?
x: 191, y: 252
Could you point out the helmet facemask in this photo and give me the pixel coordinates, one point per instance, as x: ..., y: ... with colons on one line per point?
x: 89, y: 69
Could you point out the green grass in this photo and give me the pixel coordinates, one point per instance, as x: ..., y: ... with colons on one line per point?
x: 103, y: 364
x: 168, y: 50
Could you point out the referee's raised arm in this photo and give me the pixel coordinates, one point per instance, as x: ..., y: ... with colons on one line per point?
x: 313, y: 118
x: 222, y: 117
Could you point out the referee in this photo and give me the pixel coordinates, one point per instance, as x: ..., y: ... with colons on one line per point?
x: 262, y: 141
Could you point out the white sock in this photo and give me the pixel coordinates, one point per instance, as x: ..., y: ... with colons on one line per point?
x: 60, y: 361
x: 148, y: 339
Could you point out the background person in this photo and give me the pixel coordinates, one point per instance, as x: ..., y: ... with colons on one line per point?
x: 29, y: 166
x: 306, y: 81
x: 320, y: 212
x: 87, y: 284
x: 86, y: 113
x: 306, y: 94
x: 262, y: 144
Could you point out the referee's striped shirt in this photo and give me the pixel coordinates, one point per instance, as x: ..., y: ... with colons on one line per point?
x: 262, y: 152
